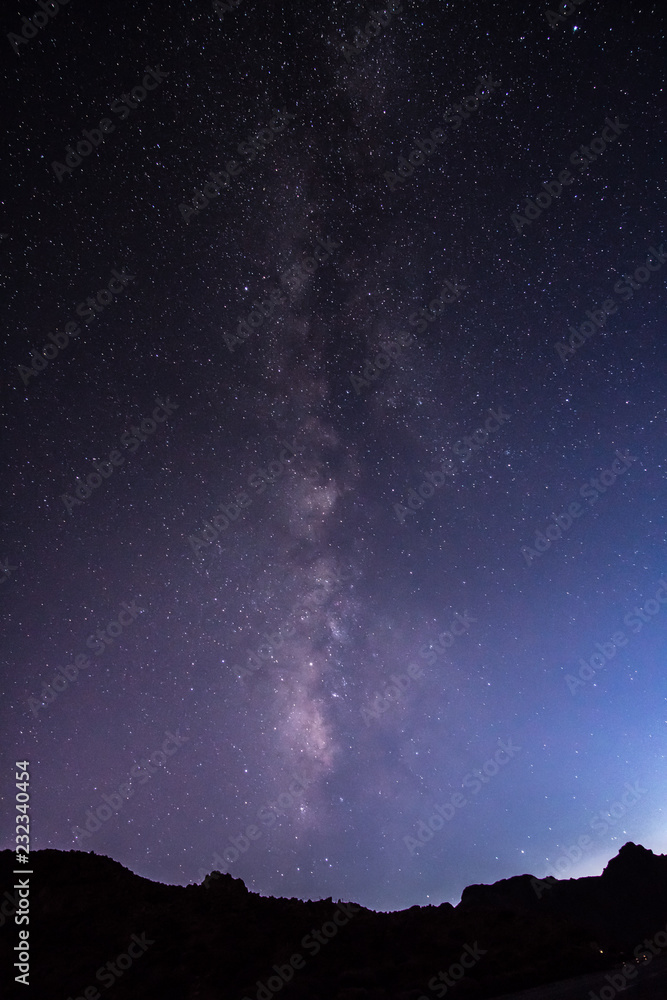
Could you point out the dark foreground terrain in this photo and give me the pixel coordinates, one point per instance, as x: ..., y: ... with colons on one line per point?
x: 94, y: 927
x: 650, y: 983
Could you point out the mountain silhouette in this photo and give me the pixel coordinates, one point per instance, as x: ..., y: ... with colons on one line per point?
x: 94, y: 926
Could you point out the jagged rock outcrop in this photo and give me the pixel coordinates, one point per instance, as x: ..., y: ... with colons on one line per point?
x: 94, y: 925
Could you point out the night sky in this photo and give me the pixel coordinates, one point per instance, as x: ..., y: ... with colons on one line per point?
x: 343, y: 619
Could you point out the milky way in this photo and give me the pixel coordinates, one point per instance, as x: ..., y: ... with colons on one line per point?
x: 347, y: 540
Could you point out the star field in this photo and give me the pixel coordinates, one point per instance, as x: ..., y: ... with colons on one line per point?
x: 347, y: 446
